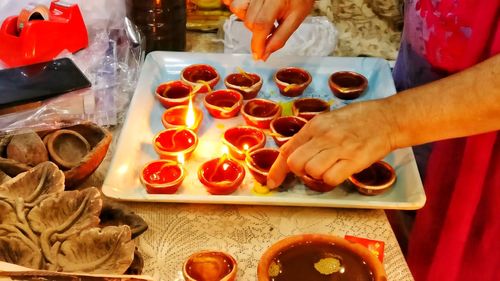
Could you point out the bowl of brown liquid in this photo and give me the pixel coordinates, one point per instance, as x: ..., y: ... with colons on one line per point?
x: 292, y: 81
x: 319, y: 257
x: 347, y: 85
x: 210, y: 266
x: 374, y: 180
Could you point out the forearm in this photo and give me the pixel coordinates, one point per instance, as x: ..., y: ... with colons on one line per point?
x: 466, y: 103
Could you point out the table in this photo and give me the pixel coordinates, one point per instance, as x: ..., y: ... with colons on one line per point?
x: 178, y: 230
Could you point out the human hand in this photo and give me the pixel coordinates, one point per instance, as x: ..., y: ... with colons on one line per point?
x: 335, y: 145
x: 260, y: 16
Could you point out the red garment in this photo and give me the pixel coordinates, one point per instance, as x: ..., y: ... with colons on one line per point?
x: 456, y: 236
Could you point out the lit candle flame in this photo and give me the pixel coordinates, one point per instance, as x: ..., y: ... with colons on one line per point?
x: 190, y: 116
x: 245, y: 147
x: 225, y: 150
x: 181, y: 159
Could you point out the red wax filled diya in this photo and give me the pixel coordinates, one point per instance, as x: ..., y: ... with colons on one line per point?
x: 375, y: 179
x: 285, y: 127
x: 173, y: 93
x: 200, y: 75
x: 181, y: 117
x: 243, y: 139
x: 260, y: 161
x: 221, y: 176
x: 171, y: 143
x: 308, y: 108
x: 162, y: 176
x: 292, y: 81
x: 210, y: 265
x: 347, y: 85
x: 248, y: 84
x: 223, y: 104
x: 316, y: 184
x: 260, y: 112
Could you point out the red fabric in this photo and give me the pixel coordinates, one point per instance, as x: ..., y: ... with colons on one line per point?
x: 456, y: 236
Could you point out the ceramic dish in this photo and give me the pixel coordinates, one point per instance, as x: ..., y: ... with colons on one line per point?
x: 143, y: 122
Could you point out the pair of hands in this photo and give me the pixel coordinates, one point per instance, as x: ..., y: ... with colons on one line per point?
x: 260, y: 17
x: 333, y: 145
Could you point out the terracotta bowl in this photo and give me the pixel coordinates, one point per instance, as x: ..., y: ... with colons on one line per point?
x: 173, y: 93
x: 260, y: 161
x: 175, y: 117
x: 347, y: 85
x: 210, y: 265
x: 376, y: 179
x: 308, y: 108
x: 292, y: 81
x: 319, y: 257
x: 242, y: 140
x: 248, y: 84
x: 200, y: 74
x: 285, y: 127
x: 170, y: 143
x: 67, y: 148
x: 98, y: 139
x: 315, y: 184
x: 223, y: 104
x: 260, y: 112
x: 221, y: 176
x: 162, y: 176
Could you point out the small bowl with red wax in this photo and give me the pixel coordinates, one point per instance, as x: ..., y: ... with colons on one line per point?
x: 285, y: 127
x: 173, y: 93
x: 221, y: 176
x: 260, y: 161
x: 347, y: 85
x: 175, y: 117
x: 292, y: 81
x: 247, y: 84
x: 374, y: 180
x: 242, y: 140
x: 308, y: 108
x: 201, y: 75
x: 162, y: 176
x: 210, y: 265
x: 223, y: 104
x: 260, y: 112
x: 317, y: 185
x: 170, y: 143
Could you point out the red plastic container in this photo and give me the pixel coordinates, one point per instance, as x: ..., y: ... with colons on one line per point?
x: 43, y: 40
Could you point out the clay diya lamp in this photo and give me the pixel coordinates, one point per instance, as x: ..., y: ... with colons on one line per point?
x: 319, y: 257
x: 173, y: 93
x: 177, y: 117
x: 285, y: 127
x: 292, y: 81
x: 67, y: 148
x: 375, y: 179
x: 260, y: 161
x: 210, y: 265
x: 162, y: 176
x: 221, y: 176
x: 347, y: 85
x: 223, y: 104
x: 247, y: 84
x: 171, y: 143
x: 260, y: 112
x: 316, y: 184
x: 308, y: 108
x: 242, y: 140
x: 202, y: 75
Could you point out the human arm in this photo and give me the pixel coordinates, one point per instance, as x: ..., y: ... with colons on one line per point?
x: 335, y: 145
x: 260, y: 16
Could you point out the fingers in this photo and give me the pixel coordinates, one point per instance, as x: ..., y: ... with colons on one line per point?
x: 303, y: 154
x: 260, y: 19
x: 302, y: 137
x: 320, y: 163
x: 239, y: 8
x: 278, y: 173
x: 339, y: 172
x: 282, y: 34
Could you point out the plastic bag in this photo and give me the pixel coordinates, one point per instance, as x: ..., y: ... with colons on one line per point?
x: 111, y: 62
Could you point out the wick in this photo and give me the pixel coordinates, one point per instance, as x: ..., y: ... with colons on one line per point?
x: 289, y: 87
x: 203, y: 83
x: 245, y: 74
x: 219, y: 163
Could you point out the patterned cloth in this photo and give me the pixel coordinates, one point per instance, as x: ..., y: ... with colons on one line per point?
x: 366, y: 27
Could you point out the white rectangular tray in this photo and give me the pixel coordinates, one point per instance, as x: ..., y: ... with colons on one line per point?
x: 143, y: 121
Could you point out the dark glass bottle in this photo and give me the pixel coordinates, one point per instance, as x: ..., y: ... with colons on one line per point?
x: 163, y: 22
